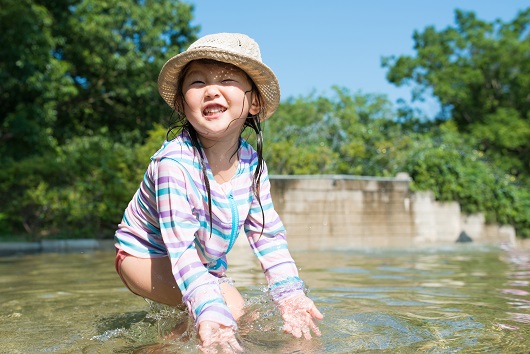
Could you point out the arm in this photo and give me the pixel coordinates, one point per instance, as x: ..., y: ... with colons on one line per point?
x: 200, y: 290
x: 271, y: 247
x: 286, y: 288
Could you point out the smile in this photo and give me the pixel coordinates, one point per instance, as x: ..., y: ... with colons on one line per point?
x: 213, y: 110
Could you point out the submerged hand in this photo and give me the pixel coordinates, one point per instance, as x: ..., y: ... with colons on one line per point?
x: 299, y: 314
x: 213, y: 334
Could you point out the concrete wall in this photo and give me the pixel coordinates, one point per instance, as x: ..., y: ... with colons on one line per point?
x: 350, y: 211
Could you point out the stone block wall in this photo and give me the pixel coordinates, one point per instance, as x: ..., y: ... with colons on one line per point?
x: 339, y: 211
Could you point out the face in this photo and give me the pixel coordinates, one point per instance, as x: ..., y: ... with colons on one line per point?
x: 217, y: 99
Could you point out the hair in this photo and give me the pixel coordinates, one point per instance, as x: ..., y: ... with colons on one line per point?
x: 180, y: 123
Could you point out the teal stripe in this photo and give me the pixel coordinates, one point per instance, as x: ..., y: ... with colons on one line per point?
x: 219, y: 264
x: 172, y: 224
x: 220, y: 205
x: 199, y: 308
x: 217, y: 232
x: 126, y: 220
x: 142, y: 204
x: 175, y: 255
x: 169, y: 190
x: 192, y: 278
x: 155, y: 230
x: 265, y: 207
x: 190, y: 179
x: 203, y: 224
x: 147, y: 185
x: 140, y: 249
x: 285, y: 281
x: 272, y: 249
x: 199, y: 246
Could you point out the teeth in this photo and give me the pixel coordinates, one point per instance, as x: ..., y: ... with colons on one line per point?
x: 214, y: 110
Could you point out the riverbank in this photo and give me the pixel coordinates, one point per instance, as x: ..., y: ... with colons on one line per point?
x: 79, y: 245
x: 87, y: 245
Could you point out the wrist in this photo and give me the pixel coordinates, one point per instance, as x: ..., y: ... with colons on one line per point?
x: 286, y: 289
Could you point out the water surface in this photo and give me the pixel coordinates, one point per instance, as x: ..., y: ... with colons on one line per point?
x: 462, y: 298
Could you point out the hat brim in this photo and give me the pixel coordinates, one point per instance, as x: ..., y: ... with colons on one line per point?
x: 261, y: 74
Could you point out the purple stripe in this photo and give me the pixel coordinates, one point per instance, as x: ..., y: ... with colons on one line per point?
x: 253, y: 224
x: 214, y: 194
x: 264, y: 241
x: 189, y: 267
x: 177, y: 245
x: 170, y: 179
x: 214, y: 252
x: 241, y: 192
x: 153, y: 241
x: 218, y: 309
x: 227, y: 226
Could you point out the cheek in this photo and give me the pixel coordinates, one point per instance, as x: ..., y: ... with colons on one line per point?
x: 190, y: 101
x: 235, y: 95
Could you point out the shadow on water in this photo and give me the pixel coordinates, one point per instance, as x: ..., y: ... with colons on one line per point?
x: 468, y: 299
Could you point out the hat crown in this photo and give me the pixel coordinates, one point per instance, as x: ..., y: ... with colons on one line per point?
x: 231, y: 42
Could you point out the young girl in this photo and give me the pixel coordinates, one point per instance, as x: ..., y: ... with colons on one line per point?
x: 202, y: 187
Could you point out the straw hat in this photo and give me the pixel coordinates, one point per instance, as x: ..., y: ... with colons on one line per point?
x: 234, y: 48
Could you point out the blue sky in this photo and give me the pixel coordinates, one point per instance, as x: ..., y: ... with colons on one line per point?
x: 313, y: 45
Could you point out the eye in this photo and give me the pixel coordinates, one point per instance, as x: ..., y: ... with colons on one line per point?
x: 228, y: 80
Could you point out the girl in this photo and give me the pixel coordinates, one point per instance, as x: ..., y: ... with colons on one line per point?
x: 202, y: 187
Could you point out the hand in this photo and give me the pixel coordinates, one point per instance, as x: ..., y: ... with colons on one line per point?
x: 213, y: 334
x: 299, y: 314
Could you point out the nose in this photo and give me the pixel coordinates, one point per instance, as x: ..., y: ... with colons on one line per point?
x: 211, y: 90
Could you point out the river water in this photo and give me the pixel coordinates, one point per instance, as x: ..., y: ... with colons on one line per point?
x: 459, y: 298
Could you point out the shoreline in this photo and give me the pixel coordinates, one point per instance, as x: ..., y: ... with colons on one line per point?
x: 16, y: 248
x: 67, y: 245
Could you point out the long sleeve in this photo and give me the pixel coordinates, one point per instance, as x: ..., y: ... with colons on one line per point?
x: 271, y: 246
x: 176, y: 195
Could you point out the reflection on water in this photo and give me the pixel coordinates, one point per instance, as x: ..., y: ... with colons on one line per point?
x: 463, y: 298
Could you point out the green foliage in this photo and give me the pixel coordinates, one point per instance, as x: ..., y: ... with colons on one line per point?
x: 455, y: 172
x: 78, y: 93
x: 30, y: 80
x: 345, y: 134
x: 82, y: 190
x: 79, y: 67
x: 480, y: 72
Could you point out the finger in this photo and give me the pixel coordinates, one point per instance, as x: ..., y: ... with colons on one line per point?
x: 313, y: 311
x: 297, y: 332
x: 226, y: 347
x: 207, y: 342
x: 306, y: 333
x: 315, y: 328
x: 235, y: 345
x: 231, y: 346
x: 205, y: 334
x: 287, y: 328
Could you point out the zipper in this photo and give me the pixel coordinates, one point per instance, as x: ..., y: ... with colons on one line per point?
x: 235, y: 221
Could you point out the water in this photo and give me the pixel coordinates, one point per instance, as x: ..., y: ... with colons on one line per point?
x: 462, y: 298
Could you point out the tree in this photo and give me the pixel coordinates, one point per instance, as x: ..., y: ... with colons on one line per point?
x: 344, y: 134
x: 84, y: 67
x: 31, y: 79
x: 480, y: 72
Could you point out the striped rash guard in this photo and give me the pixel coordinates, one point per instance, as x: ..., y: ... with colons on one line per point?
x: 169, y: 216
